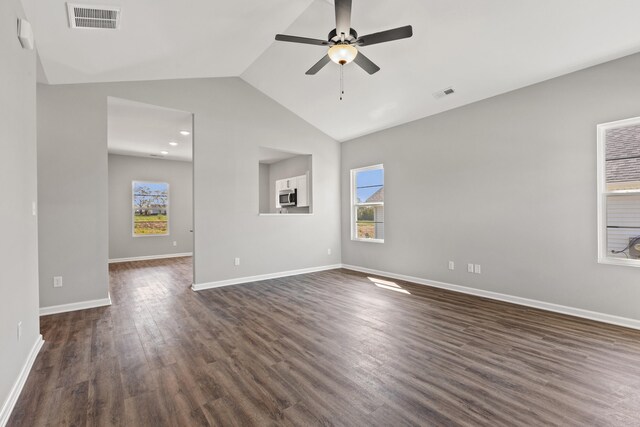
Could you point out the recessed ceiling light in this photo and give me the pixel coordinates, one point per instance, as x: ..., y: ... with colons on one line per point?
x: 164, y: 153
x: 185, y: 132
x: 173, y: 143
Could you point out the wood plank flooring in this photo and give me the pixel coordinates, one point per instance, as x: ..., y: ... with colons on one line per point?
x: 329, y: 348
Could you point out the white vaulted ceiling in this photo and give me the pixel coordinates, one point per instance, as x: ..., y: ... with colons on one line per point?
x: 481, y: 48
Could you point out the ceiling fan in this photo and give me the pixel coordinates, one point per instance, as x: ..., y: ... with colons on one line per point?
x: 343, y: 41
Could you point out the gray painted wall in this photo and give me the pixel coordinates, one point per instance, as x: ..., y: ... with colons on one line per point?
x: 288, y: 168
x: 264, y: 188
x: 231, y: 121
x: 508, y: 183
x: 179, y: 175
x: 19, y: 251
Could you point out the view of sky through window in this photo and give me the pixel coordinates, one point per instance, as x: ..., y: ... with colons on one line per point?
x: 367, y: 183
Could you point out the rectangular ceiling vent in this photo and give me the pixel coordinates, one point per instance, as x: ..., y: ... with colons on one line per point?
x: 91, y: 16
x: 444, y: 92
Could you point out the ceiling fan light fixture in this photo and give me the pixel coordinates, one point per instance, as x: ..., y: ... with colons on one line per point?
x: 342, y: 53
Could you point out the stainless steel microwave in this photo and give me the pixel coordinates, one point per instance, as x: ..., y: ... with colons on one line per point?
x: 287, y: 197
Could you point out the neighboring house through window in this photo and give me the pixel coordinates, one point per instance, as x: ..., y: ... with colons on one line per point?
x: 619, y: 192
x: 367, y: 204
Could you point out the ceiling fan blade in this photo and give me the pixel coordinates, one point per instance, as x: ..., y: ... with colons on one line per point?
x: 304, y: 40
x: 343, y: 17
x: 318, y: 65
x: 385, y: 36
x: 366, y: 64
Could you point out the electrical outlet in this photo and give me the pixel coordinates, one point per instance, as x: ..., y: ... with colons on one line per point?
x: 470, y: 268
x: 19, y: 330
x: 329, y: 251
x: 236, y: 261
x: 175, y: 243
x: 477, y: 269
x: 452, y: 265
x: 57, y: 282
x: 34, y: 209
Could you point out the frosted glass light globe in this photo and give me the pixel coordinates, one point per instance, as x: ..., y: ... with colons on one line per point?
x: 342, y: 53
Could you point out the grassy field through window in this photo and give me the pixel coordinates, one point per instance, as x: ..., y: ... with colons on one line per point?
x: 151, y: 224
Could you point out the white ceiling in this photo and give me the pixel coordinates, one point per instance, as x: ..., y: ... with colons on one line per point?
x: 482, y: 48
x: 160, y: 39
x: 137, y: 129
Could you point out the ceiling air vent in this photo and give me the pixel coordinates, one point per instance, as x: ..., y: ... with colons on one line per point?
x: 444, y: 92
x: 91, y: 16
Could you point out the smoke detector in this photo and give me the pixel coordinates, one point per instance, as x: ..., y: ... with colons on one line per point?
x: 444, y: 92
x: 92, y: 16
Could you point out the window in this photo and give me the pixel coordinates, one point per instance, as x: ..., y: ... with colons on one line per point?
x: 619, y: 192
x: 150, y: 208
x: 367, y: 204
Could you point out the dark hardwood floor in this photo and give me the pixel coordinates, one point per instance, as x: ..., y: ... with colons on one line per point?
x: 330, y: 348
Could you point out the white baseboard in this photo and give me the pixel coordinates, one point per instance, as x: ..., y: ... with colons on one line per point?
x: 240, y: 280
x: 83, y: 305
x: 11, y: 400
x: 563, y: 309
x: 148, y: 257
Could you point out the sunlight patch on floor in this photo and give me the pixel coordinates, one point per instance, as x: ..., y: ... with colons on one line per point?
x: 386, y: 284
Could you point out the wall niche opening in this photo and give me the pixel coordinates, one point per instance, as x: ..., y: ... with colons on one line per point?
x: 284, y: 182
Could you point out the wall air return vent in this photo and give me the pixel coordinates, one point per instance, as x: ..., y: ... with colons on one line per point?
x: 92, y: 16
x: 444, y: 92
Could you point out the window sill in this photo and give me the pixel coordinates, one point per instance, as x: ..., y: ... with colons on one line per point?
x: 286, y: 214
x: 620, y: 261
x: 368, y: 240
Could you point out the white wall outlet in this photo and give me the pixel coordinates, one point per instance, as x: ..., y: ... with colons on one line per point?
x: 329, y: 251
x: 477, y: 269
x: 19, y: 330
x: 34, y: 209
x: 57, y: 282
x: 175, y: 243
x: 470, y: 268
x: 236, y: 261
x: 452, y: 265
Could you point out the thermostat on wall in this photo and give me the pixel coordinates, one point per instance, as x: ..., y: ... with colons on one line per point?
x: 25, y: 34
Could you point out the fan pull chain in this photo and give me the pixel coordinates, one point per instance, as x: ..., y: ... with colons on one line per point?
x: 341, y: 81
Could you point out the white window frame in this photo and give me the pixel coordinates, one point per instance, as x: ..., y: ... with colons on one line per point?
x: 133, y: 210
x: 603, y: 255
x: 354, y: 205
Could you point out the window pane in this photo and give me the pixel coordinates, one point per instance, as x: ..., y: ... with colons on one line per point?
x: 370, y: 186
x: 150, y: 208
x: 622, y: 153
x: 623, y: 226
x: 365, y: 213
x: 370, y: 222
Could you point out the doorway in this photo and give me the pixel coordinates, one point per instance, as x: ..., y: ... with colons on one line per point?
x: 150, y: 164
